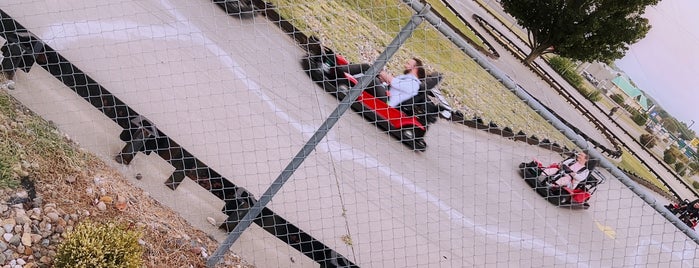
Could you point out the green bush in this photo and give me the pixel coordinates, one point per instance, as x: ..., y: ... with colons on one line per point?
x: 679, y: 167
x: 647, y: 140
x: 566, y: 68
x: 669, y: 159
x: 639, y: 118
x: 100, y: 245
x: 619, y: 99
x: 695, y: 184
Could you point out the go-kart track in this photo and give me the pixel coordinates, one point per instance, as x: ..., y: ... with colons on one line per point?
x: 232, y: 93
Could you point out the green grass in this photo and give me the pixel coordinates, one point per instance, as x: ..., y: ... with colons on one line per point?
x: 28, y: 138
x: 361, y: 29
x: 630, y: 163
x: 9, y: 154
x: 438, y: 6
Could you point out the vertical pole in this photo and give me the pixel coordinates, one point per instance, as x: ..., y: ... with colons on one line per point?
x: 322, y: 131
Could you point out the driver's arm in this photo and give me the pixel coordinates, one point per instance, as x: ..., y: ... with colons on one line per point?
x: 385, y: 77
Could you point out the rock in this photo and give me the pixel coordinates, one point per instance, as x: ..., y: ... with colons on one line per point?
x: 8, y: 227
x: 71, y: 179
x: 107, y: 199
x: 2, y: 259
x: 36, y: 214
x: 21, y: 262
x: 211, y: 220
x: 35, y: 238
x: 7, y: 237
x: 17, y: 229
x: 53, y: 216
x: 101, y: 206
x: 28, y: 251
x: 3, y: 247
x: 45, y: 260
x: 139, y: 176
x: 27, y: 239
x: 3, y: 208
x: 15, y: 240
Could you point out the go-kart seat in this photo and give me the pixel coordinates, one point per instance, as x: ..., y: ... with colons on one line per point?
x: 419, y: 103
x: 590, y: 181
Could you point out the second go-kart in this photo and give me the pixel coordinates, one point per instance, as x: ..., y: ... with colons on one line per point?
x: 408, y: 122
x: 680, y: 209
x: 562, y: 196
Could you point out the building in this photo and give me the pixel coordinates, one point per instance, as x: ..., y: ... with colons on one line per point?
x: 633, y: 96
x: 599, y: 74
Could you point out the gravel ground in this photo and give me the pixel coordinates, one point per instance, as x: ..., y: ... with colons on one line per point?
x: 48, y: 185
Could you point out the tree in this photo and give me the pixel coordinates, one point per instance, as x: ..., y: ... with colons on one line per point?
x: 670, y: 125
x: 592, y: 30
x: 648, y: 140
x: 679, y: 167
x: 639, y: 118
x: 619, y: 99
x: 694, y: 166
x: 669, y: 159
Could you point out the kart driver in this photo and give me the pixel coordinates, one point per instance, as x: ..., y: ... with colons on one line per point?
x: 692, y: 208
x: 577, y: 165
x: 405, y: 86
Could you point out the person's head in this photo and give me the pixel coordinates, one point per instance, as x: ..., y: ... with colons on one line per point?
x: 696, y: 205
x: 414, y: 66
x: 581, y: 158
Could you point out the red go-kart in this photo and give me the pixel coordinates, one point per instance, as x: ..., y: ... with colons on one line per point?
x: 408, y: 122
x: 561, y: 196
x: 680, y: 209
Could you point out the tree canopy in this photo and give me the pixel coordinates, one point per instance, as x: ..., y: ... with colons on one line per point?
x: 586, y: 30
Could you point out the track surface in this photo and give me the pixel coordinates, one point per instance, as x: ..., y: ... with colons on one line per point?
x: 233, y: 94
x: 549, y: 97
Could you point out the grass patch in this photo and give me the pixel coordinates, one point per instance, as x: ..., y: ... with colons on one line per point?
x: 514, y: 29
x: 630, y: 163
x: 30, y: 144
x: 438, y: 6
x: 361, y: 29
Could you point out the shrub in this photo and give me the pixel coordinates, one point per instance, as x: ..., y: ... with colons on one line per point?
x: 566, y: 68
x: 647, y: 140
x: 100, y: 245
x: 679, y: 167
x: 695, y: 184
x: 639, y: 118
x: 617, y: 98
x: 669, y: 159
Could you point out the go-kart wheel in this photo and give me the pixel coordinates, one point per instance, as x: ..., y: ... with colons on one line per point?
x: 419, y: 145
x: 236, y: 7
x: 408, y: 134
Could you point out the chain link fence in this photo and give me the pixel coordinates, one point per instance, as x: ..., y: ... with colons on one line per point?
x: 307, y: 135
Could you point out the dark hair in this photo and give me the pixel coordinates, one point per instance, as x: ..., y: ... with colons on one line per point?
x: 420, y: 68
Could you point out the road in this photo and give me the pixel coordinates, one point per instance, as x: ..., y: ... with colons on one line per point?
x: 549, y: 97
x: 232, y: 93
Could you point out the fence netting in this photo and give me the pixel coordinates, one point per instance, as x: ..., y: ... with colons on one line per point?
x: 210, y: 101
